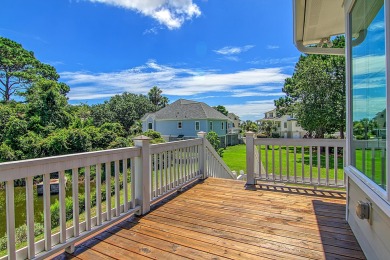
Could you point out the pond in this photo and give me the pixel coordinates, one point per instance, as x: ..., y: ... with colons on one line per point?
x: 20, y: 205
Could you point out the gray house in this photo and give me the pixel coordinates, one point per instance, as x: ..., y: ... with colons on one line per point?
x: 184, y: 119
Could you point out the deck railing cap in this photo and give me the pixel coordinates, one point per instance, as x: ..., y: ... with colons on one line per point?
x: 142, y: 137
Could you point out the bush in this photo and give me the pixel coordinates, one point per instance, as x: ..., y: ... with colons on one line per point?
x: 275, y: 135
x: 3, y: 243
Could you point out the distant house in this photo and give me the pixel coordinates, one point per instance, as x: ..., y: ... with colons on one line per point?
x: 184, y: 119
x: 233, y: 124
x: 286, y: 125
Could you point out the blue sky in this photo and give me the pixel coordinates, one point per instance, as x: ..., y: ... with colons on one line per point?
x: 221, y: 52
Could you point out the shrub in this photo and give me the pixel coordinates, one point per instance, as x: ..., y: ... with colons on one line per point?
x: 275, y: 135
x: 3, y: 243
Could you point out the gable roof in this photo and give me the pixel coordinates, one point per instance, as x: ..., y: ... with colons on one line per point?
x: 183, y: 109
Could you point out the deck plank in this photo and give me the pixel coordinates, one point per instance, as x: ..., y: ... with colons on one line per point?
x: 221, y: 219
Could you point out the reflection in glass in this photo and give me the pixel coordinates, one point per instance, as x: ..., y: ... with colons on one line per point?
x: 369, y: 90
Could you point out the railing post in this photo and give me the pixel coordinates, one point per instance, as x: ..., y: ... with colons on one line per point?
x: 142, y: 174
x: 250, y: 158
x: 202, y: 155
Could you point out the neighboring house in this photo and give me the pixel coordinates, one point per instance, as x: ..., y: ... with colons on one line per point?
x: 233, y: 124
x: 367, y: 56
x: 286, y: 125
x: 184, y: 119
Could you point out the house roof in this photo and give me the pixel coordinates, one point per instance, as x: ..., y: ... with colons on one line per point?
x: 183, y: 109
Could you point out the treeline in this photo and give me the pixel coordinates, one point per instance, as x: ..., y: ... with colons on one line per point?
x: 36, y: 119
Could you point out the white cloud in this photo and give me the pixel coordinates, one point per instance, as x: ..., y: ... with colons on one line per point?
x: 370, y: 64
x: 377, y: 26
x: 364, y: 107
x: 171, y: 13
x: 286, y: 60
x: 252, y: 109
x: 273, y: 47
x: 173, y: 81
x: 230, y: 50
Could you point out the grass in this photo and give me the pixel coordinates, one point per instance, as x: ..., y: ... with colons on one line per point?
x: 235, y: 158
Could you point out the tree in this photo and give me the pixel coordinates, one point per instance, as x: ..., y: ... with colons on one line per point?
x: 268, y: 126
x: 221, y: 109
x: 315, y: 94
x: 214, y: 140
x: 249, y: 125
x: 157, y: 99
x: 19, y: 68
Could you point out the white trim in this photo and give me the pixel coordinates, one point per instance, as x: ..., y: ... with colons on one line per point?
x: 387, y: 51
x: 198, y: 124
x: 211, y: 126
x: 376, y: 195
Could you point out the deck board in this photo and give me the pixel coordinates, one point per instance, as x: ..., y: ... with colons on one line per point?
x: 221, y: 219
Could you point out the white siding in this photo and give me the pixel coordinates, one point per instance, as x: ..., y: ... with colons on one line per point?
x: 373, y: 238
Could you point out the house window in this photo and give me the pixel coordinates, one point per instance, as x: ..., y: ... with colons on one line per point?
x: 211, y: 126
x: 150, y: 126
x: 368, y: 73
x: 197, y: 126
x: 285, y: 124
x: 222, y: 125
x: 179, y: 125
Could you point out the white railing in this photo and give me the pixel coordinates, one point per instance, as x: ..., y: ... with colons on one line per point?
x: 214, y: 165
x: 146, y: 173
x: 317, y: 162
x: 173, y: 165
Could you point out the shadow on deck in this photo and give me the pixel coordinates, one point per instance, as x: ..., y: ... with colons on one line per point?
x: 220, y: 219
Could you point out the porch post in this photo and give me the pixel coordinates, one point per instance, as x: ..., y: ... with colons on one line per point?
x: 250, y: 158
x: 202, y: 155
x: 142, y: 174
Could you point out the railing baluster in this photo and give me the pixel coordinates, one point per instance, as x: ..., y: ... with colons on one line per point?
x: 155, y: 168
x: 75, y: 197
x: 167, y: 179
x: 30, y: 217
x: 311, y: 163
x: 295, y: 164
x: 46, y: 211
x: 98, y: 194
x: 335, y: 159
x: 280, y: 163
x: 273, y: 162
x: 117, y: 190
x: 108, y: 190
x: 383, y: 164
x: 327, y: 165
x: 288, y: 163
x: 171, y: 178
x: 372, y: 163
x: 125, y: 186
x: 61, y: 199
x: 266, y: 162
x: 10, y: 211
x: 303, y: 163
x: 363, y: 159
x: 259, y: 149
x: 132, y: 172
x: 161, y: 183
x: 87, y: 191
x: 319, y: 164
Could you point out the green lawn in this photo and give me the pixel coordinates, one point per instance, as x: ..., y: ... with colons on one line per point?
x: 234, y: 157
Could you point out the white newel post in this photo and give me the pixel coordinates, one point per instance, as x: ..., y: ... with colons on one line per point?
x: 142, y: 174
x: 250, y: 157
x: 202, y: 155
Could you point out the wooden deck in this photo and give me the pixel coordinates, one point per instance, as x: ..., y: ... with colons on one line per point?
x: 220, y: 219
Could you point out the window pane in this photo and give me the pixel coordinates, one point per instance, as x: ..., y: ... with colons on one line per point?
x: 369, y: 90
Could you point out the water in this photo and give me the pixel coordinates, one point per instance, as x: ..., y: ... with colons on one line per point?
x: 20, y: 205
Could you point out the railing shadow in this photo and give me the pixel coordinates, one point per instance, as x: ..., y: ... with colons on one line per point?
x: 335, y: 194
